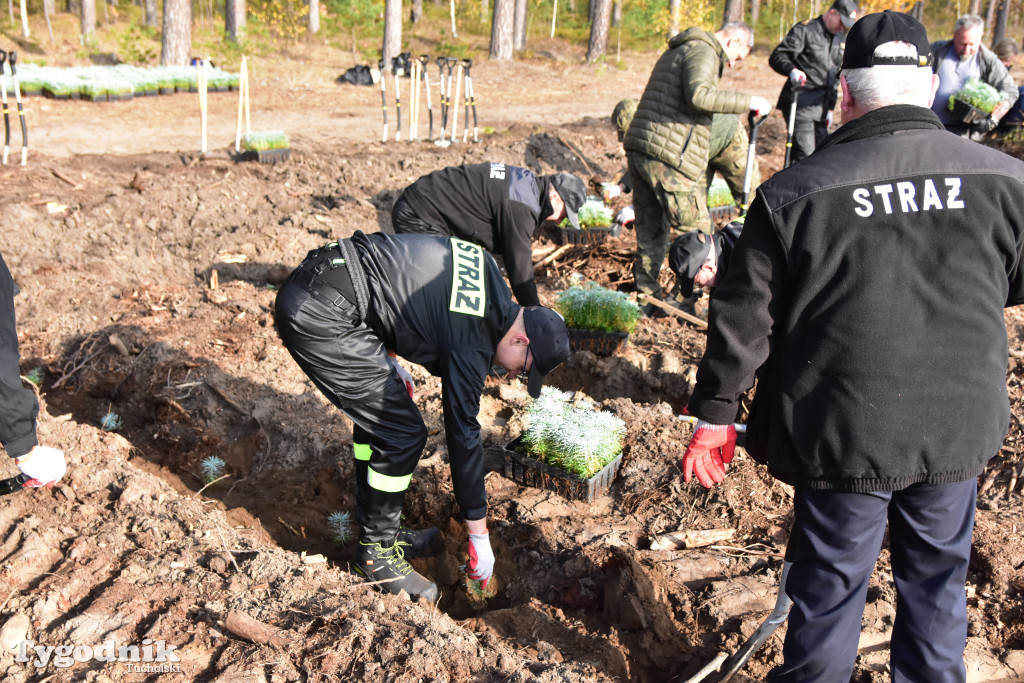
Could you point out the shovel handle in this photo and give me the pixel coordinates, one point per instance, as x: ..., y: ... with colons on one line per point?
x: 13, y: 484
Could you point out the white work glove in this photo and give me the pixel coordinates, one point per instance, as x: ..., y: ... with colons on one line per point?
x: 797, y: 78
x: 44, y: 465
x: 759, y: 105
x: 626, y: 217
x: 481, y: 559
x: 828, y: 119
x: 406, y: 377
x: 610, y: 191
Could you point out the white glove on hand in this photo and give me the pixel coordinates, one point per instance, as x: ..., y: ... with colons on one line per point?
x: 406, y: 377
x: 626, y: 217
x: 481, y: 559
x: 797, y: 78
x: 759, y: 105
x: 828, y: 119
x: 44, y: 465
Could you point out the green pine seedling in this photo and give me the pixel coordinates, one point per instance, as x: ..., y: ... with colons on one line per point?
x: 341, y: 527
x: 719, y: 194
x: 977, y: 93
x: 111, y: 422
x: 261, y: 142
x: 592, y: 307
x: 211, y: 469
x: 572, y: 435
x: 36, y: 376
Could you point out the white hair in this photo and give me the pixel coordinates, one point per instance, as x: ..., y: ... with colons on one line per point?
x: 739, y: 29
x: 969, y: 22
x: 882, y: 85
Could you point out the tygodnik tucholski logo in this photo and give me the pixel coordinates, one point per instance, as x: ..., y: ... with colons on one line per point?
x: 149, y: 657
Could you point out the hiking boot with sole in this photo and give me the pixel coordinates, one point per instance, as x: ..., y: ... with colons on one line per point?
x: 415, y: 542
x: 388, y: 566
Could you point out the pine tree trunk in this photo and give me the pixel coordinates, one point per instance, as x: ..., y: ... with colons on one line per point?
x: 152, y: 18
x: 417, y: 11
x: 314, y: 17
x: 519, y: 28
x: 599, y: 29
x: 1002, y: 14
x: 673, y: 17
x: 501, y: 29
x: 617, y: 13
x: 234, y: 19
x: 24, y: 20
x: 755, y: 12
x: 88, y: 18
x: 733, y: 11
x: 392, y: 31
x: 176, y: 39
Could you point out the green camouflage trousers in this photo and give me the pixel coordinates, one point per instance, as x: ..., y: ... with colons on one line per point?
x: 666, y: 203
x: 728, y: 149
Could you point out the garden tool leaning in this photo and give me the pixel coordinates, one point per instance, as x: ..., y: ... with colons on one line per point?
x: 13, y: 57
x: 3, y: 101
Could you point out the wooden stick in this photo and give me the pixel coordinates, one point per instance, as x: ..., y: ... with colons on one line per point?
x: 244, y: 626
x: 241, y: 97
x: 576, y: 150
x: 201, y: 77
x: 455, y: 107
x: 658, y: 303
x: 553, y: 255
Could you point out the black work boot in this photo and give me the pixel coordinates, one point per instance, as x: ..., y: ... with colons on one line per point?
x: 415, y: 542
x: 388, y: 566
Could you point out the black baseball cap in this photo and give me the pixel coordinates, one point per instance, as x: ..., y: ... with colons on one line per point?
x: 848, y: 11
x: 873, y: 30
x: 573, y: 193
x: 686, y: 257
x: 549, y: 343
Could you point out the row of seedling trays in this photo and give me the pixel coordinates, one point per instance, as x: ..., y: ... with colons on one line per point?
x: 112, y: 83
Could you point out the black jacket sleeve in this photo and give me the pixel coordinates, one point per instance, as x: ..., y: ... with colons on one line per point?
x: 18, y: 405
x: 744, y: 309
x: 517, y: 252
x: 463, y: 373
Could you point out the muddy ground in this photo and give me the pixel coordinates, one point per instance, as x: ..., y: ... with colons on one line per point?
x: 148, y: 274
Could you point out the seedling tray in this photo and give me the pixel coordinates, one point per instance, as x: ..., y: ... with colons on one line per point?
x: 531, y: 472
x: 267, y: 156
x: 722, y: 213
x: 588, y: 235
x: 967, y: 113
x: 598, y: 343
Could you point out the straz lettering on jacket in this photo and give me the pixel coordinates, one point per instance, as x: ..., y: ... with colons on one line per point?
x: 908, y: 196
x: 469, y: 295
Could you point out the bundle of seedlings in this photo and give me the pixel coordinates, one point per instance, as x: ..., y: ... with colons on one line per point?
x: 974, y: 101
x: 720, y: 200
x: 599, y: 320
x: 267, y: 146
x: 572, y: 434
x: 595, y: 223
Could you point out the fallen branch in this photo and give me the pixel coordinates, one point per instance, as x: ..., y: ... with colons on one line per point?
x: 244, y: 626
x: 553, y: 255
x: 658, y: 303
x: 227, y: 399
x: 61, y: 176
x: 579, y: 155
x: 691, y: 538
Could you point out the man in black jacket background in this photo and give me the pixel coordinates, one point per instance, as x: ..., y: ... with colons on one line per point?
x: 867, y: 293
x: 355, y: 304
x: 494, y: 205
x: 809, y: 57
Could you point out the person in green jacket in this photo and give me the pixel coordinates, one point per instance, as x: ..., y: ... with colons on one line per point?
x: 667, y: 144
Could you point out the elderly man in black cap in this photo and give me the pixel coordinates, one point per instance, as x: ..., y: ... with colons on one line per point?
x: 348, y: 310
x: 700, y: 260
x: 837, y: 299
x: 494, y: 205
x: 809, y: 56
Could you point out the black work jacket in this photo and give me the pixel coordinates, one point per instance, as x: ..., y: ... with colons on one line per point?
x: 442, y: 303
x: 496, y: 206
x: 18, y: 405
x: 816, y: 51
x: 867, y: 292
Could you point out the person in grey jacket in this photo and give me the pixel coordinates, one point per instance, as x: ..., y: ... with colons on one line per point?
x: 837, y: 300
x: 964, y: 57
x: 668, y: 141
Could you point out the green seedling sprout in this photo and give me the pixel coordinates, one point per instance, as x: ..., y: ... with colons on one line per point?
x: 593, y: 214
x: 592, y: 307
x: 111, y: 422
x: 36, y: 375
x: 340, y: 524
x: 477, y: 594
x: 211, y: 469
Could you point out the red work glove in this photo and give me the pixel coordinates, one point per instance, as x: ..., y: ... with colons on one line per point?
x: 711, y: 449
x: 481, y: 559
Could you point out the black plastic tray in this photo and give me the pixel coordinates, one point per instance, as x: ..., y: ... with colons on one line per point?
x: 530, y: 472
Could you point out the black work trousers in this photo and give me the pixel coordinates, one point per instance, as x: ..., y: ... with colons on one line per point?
x: 349, y: 364
x: 834, y: 546
x: 810, y: 127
